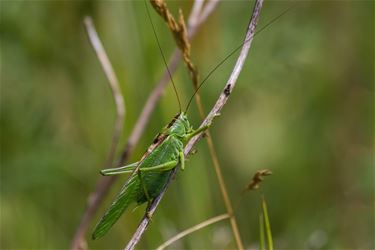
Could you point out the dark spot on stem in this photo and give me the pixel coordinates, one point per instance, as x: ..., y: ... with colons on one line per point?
x: 173, y: 121
x: 156, y: 140
x: 227, y: 90
x: 204, y: 134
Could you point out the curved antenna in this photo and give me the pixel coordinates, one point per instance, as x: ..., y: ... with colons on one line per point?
x: 234, y: 51
x: 162, y: 54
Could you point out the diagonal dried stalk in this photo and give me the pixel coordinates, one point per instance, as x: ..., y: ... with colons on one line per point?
x: 253, y: 185
x: 104, y: 183
x: 178, y: 30
x: 213, y: 113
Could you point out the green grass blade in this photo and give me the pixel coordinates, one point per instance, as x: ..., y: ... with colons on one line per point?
x: 261, y: 233
x: 267, y: 224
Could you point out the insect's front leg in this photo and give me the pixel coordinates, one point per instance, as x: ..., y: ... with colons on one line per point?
x: 196, y: 132
x: 181, y: 156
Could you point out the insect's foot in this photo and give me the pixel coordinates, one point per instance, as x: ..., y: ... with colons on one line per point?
x: 209, y: 124
x: 149, y: 216
x: 193, y: 151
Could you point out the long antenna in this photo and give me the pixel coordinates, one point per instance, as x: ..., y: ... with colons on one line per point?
x: 234, y: 51
x: 162, y: 54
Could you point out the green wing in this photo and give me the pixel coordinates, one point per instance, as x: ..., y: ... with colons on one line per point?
x: 126, y: 196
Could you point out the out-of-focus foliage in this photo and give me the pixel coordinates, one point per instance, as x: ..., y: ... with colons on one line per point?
x: 303, y: 107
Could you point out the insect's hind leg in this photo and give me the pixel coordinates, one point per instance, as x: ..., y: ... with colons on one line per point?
x: 130, y: 168
x: 121, y: 170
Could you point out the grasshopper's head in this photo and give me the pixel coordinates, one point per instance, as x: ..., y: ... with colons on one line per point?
x: 180, y: 125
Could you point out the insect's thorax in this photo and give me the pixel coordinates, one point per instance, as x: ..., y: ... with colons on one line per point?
x: 166, y: 151
x: 179, y: 126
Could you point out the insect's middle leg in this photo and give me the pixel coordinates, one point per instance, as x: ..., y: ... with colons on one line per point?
x: 145, y: 190
x: 162, y: 167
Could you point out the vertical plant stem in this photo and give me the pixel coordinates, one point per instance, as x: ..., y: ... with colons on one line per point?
x: 224, y: 193
x: 220, y: 178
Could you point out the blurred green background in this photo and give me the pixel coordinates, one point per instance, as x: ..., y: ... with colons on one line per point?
x: 303, y: 107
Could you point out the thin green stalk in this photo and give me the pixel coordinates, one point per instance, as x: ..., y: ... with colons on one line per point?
x: 267, y: 224
x: 262, y: 243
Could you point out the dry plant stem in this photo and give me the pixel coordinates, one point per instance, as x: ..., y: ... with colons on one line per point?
x: 219, y: 176
x: 213, y: 113
x: 196, y: 12
x: 193, y: 229
x: 210, y: 6
x: 104, y: 183
x: 78, y: 242
x: 224, y: 192
x: 113, y: 83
